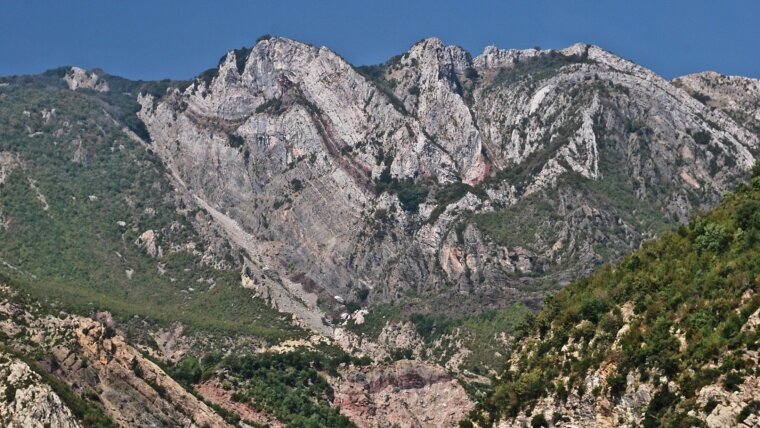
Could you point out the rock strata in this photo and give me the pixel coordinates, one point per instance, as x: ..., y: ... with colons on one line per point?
x: 416, y: 175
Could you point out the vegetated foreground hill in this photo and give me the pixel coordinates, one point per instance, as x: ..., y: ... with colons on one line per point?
x: 68, y: 370
x: 668, y: 337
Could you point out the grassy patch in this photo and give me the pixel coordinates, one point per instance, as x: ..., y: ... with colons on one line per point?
x: 102, y: 190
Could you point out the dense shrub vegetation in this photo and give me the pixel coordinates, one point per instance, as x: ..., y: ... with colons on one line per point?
x: 289, y: 386
x: 698, y: 283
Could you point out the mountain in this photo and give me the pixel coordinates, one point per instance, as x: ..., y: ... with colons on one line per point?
x: 288, y: 239
x: 436, y: 174
x: 667, y: 337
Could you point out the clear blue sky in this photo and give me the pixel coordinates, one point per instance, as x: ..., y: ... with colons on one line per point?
x: 152, y: 39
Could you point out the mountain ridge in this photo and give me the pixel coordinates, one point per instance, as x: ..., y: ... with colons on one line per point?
x: 290, y: 210
x: 453, y: 150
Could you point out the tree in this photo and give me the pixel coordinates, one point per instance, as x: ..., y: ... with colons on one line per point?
x: 188, y: 371
x: 539, y: 421
x: 714, y: 237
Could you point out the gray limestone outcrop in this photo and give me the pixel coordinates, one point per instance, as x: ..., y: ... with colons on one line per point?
x: 437, y: 172
x: 27, y: 401
x: 79, y: 78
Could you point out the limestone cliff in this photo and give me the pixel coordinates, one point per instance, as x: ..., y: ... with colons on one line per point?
x: 737, y: 96
x: 28, y: 402
x: 437, y: 172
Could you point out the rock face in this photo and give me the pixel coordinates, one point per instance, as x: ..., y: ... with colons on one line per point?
x: 8, y: 162
x: 134, y: 391
x: 394, y: 336
x: 738, y: 97
x: 28, y: 402
x: 729, y: 405
x: 404, y: 393
x: 148, y: 241
x: 437, y: 172
x: 78, y: 78
x: 93, y: 361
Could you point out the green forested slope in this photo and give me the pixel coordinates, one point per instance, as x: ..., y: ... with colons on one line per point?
x: 76, y: 194
x: 673, y: 315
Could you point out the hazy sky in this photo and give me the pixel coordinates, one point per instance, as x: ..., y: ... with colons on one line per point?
x: 153, y: 39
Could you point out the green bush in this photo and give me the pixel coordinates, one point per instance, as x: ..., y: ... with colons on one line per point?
x: 661, y: 401
x: 411, y: 195
x: 733, y: 380
x: 592, y: 308
x: 296, y: 185
x: 539, y: 421
x: 187, y: 371
x: 748, y: 215
x: 235, y: 141
x: 701, y: 137
x: 752, y: 408
x: 10, y: 393
x: 616, y: 384
x: 710, y: 406
x: 713, y: 237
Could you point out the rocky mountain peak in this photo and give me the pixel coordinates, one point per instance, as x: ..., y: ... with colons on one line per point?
x: 433, y: 49
x: 493, y: 57
x: 79, y: 78
x: 419, y: 166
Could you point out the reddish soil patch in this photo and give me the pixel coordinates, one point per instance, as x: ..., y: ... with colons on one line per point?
x: 214, y: 393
